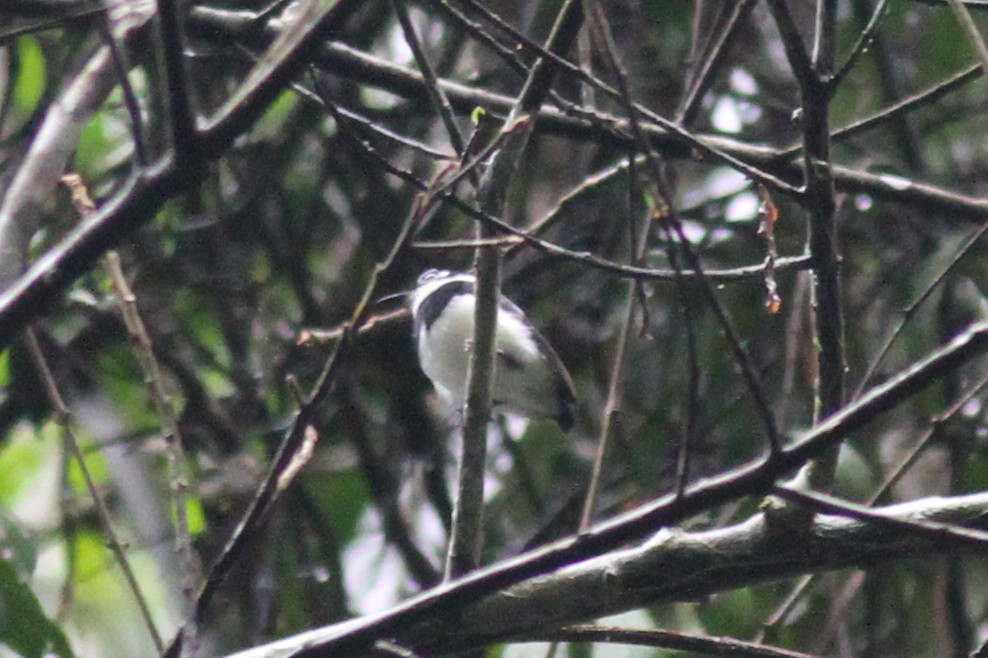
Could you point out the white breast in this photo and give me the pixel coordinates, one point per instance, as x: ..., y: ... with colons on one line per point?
x: 444, y: 350
x: 523, y: 382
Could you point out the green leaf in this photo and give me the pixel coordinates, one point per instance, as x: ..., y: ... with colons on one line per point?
x: 105, y: 143
x: 31, y: 79
x: 195, y: 516
x: 5, y: 368
x: 23, y: 625
x: 16, y: 545
x: 22, y: 459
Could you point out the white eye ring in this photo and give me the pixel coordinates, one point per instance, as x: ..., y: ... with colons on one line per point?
x: 433, y: 275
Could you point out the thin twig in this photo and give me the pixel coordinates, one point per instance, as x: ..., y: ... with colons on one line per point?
x: 363, y: 124
x: 452, y: 245
x: 667, y: 214
x: 64, y: 419
x: 615, y: 385
x: 947, y: 533
x: 865, y: 38
x: 133, y: 106
x: 693, y: 643
x: 707, y: 75
x: 911, y: 310
x: 178, y: 475
x: 896, y: 110
x: 971, y: 31
x: 688, y: 439
x: 438, y: 97
x: 49, y: 23
x: 317, y: 336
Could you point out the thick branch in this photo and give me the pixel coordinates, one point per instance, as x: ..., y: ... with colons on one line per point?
x: 139, y: 200
x: 675, y: 566
x: 755, y: 478
x: 45, y: 162
x: 604, y: 130
x: 672, y: 566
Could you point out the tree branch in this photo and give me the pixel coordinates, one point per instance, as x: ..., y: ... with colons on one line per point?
x: 752, y: 479
x: 671, y: 566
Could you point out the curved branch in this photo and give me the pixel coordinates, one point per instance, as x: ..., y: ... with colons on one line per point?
x: 45, y: 162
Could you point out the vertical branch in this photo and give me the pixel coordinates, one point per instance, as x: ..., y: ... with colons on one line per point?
x: 820, y: 197
x: 465, y: 542
x: 614, y: 388
x: 185, y: 139
x: 466, y: 537
x: 177, y: 472
x: 815, y: 95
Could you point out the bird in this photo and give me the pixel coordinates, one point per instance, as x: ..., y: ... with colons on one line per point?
x: 529, y: 378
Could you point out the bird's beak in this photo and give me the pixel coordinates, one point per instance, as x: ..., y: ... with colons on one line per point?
x: 398, y: 295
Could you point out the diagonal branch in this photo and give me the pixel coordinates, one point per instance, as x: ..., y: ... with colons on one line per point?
x: 705, y: 78
x: 754, y: 478
x: 671, y: 566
